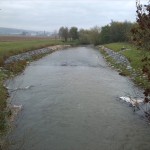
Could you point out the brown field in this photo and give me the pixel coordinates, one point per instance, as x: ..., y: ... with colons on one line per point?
x: 22, y: 38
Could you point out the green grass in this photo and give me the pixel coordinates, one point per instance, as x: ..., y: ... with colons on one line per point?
x: 134, y: 56
x: 3, y: 103
x: 19, y: 46
x: 118, y: 46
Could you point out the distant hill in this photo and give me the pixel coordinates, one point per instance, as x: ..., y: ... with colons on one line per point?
x: 13, y: 31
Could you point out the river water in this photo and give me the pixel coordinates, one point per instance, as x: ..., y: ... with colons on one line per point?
x: 69, y: 103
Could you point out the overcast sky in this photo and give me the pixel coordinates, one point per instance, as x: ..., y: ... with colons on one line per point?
x: 51, y: 14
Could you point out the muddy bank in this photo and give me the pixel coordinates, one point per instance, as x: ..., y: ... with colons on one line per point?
x: 30, y: 54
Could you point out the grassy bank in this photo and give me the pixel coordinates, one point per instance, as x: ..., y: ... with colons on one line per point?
x: 118, y: 46
x: 16, y: 46
x: 8, y: 49
x: 13, y: 46
x: 134, y: 56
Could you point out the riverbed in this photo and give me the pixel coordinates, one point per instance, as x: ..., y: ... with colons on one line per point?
x: 69, y: 101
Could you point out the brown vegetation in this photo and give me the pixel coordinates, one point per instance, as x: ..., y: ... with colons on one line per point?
x: 8, y: 38
x: 141, y: 37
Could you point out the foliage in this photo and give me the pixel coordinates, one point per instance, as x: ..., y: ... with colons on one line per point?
x: 113, y: 32
x: 64, y: 33
x: 91, y: 36
x: 84, y: 36
x: 141, y: 31
x: 73, y: 33
x: 141, y: 38
x: 116, y: 32
x: 94, y: 35
x: 105, y: 35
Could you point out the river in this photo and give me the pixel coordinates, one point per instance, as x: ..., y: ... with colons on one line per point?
x: 71, y: 104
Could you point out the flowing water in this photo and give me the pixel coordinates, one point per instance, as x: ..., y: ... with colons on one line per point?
x: 69, y: 103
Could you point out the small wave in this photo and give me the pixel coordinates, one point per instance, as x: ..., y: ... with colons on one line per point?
x: 20, y: 88
x: 82, y: 65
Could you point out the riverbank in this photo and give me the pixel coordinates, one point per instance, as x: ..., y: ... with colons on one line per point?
x: 12, y: 66
x: 127, y: 60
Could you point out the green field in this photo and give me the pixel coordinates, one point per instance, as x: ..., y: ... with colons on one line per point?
x: 16, y: 47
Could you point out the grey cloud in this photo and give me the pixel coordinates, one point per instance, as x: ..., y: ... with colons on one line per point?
x: 50, y: 14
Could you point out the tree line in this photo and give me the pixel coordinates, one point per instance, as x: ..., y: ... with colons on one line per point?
x: 113, y: 32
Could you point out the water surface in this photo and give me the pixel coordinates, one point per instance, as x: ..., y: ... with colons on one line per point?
x: 71, y: 105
